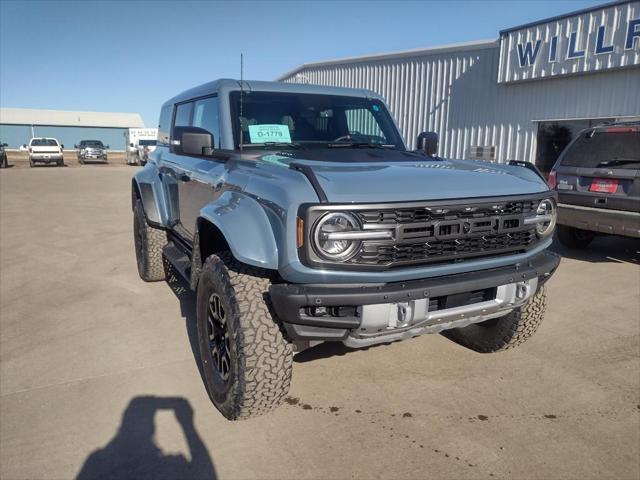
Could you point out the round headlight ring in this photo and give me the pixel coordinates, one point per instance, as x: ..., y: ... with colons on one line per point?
x: 335, y: 250
x: 546, y: 207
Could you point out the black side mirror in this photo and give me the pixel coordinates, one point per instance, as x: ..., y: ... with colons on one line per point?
x: 131, y: 144
x: 62, y: 145
x: 5, y: 144
x: 107, y: 147
x: 24, y: 145
x: 196, y: 143
x: 428, y: 143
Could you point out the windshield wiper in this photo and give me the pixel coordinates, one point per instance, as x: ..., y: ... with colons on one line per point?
x: 359, y: 145
x: 273, y: 145
x: 618, y: 161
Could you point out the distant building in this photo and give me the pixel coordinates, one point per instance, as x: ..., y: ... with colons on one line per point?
x: 18, y: 125
x: 522, y: 96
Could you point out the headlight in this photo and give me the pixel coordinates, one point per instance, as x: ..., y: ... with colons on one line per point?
x: 331, y: 236
x: 545, y: 218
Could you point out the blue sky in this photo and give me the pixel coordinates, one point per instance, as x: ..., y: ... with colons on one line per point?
x: 131, y: 56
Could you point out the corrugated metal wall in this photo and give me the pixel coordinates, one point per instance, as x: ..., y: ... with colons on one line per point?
x: 455, y: 93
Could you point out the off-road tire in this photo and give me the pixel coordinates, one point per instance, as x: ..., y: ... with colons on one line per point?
x: 572, y: 237
x: 149, y: 242
x: 260, y: 356
x: 60, y: 163
x: 31, y: 163
x: 505, y: 332
x: 81, y: 161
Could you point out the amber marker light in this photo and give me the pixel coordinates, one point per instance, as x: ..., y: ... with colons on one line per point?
x: 300, y: 230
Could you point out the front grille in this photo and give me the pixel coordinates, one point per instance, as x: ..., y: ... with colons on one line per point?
x: 444, y: 250
x: 440, y: 212
x: 442, y: 232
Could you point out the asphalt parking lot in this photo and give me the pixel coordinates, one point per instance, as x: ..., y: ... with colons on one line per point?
x: 98, y: 376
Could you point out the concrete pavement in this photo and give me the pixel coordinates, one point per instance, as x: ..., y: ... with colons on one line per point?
x: 98, y: 375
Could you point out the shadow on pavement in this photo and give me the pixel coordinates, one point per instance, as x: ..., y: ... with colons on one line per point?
x: 187, y: 298
x: 605, y: 248
x: 132, y: 452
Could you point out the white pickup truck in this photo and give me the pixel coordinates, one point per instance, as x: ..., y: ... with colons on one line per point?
x: 45, y: 150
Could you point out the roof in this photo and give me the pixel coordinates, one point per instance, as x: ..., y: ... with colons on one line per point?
x: 27, y: 116
x: 566, y: 15
x: 453, y: 47
x: 226, y: 85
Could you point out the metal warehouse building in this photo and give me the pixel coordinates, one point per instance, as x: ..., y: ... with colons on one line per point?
x: 522, y: 96
x: 18, y: 125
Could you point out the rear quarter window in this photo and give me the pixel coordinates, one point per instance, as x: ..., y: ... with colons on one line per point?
x: 590, y: 150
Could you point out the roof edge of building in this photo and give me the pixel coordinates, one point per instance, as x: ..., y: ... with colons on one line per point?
x: 565, y: 15
x: 69, y: 118
x: 452, y: 47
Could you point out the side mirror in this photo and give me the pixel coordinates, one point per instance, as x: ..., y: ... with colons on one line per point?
x: 196, y: 143
x: 62, y: 145
x: 5, y: 144
x: 131, y: 145
x: 75, y: 146
x: 24, y: 145
x: 107, y: 147
x: 428, y: 143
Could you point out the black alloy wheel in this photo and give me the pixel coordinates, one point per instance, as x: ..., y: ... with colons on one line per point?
x: 218, y: 334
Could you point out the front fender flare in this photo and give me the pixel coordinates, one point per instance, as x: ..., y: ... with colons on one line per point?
x: 244, y: 224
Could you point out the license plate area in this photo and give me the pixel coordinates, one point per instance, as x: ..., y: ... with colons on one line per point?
x: 604, y: 185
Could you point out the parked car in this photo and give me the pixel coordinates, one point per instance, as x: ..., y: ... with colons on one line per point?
x: 45, y: 150
x: 598, y: 182
x: 145, y: 147
x: 91, y: 150
x: 4, y: 162
x: 298, y: 215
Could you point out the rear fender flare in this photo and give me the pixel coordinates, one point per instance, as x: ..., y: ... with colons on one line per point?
x: 147, y: 185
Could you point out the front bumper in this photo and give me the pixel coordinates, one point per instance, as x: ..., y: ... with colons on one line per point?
x: 615, y: 222
x: 375, y: 303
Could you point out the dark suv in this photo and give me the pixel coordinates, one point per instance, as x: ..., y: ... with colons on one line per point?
x: 598, y: 182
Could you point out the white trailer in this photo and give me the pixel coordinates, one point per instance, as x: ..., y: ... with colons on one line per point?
x: 136, y: 139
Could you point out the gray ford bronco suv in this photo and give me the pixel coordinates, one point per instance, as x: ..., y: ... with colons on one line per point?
x: 298, y: 215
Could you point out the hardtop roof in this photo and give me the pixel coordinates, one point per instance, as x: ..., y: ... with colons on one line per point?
x: 226, y: 85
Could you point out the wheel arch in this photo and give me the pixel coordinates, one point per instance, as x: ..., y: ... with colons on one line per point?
x: 239, y: 224
x: 146, y: 186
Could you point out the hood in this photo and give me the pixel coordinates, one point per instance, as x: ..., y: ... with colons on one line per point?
x: 395, y: 176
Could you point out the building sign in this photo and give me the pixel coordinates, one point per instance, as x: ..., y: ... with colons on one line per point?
x: 592, y: 40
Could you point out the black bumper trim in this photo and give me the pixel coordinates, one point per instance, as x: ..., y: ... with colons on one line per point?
x: 288, y: 299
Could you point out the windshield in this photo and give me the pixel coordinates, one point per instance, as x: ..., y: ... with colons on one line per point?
x: 312, y: 121
x: 44, y: 142
x: 146, y: 143
x: 91, y: 143
x: 615, y: 149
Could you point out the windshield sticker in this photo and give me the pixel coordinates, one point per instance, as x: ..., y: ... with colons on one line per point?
x: 269, y: 133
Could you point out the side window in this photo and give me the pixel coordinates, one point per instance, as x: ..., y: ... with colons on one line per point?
x: 205, y: 115
x: 164, y: 125
x: 183, y: 115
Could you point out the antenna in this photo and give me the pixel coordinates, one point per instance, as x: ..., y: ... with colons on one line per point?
x: 241, y: 94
